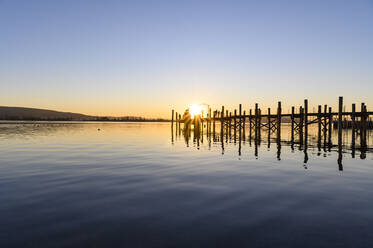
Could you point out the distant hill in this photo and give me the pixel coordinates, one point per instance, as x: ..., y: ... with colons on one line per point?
x: 33, y: 114
x: 19, y: 113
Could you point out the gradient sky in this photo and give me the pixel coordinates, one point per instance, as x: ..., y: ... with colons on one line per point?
x: 146, y: 57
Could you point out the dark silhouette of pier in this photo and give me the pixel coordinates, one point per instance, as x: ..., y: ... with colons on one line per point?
x: 235, y: 124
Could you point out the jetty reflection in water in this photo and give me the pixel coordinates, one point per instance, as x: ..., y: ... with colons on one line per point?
x: 203, y: 136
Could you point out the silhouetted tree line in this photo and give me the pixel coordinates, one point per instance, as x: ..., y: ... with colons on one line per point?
x: 129, y: 118
x: 93, y: 118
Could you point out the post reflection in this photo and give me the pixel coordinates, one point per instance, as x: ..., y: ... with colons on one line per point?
x: 278, y: 150
x: 305, y: 159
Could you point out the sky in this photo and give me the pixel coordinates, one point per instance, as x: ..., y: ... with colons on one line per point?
x: 145, y: 58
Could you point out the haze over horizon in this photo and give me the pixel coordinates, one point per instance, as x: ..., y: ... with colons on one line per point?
x: 143, y: 58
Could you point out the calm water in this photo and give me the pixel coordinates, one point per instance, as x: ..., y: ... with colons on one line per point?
x: 138, y: 185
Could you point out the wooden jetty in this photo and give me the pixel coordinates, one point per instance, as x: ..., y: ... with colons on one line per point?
x: 324, y: 118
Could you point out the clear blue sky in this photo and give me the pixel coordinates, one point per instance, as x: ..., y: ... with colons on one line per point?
x: 145, y: 57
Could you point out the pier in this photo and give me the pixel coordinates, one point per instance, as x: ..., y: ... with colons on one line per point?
x: 239, y: 123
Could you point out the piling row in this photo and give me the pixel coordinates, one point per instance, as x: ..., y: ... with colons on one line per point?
x: 359, y: 122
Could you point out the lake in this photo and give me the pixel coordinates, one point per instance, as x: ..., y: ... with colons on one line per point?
x: 147, y: 185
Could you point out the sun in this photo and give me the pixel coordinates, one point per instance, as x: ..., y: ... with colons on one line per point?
x: 195, y: 109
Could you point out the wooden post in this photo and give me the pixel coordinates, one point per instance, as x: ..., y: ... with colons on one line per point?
x: 213, y: 122
x: 244, y: 125
x: 330, y: 127
x: 179, y: 121
x: 172, y: 128
x: 230, y: 124
x: 240, y: 122
x: 194, y: 127
x: 222, y: 122
x: 269, y: 125
x: 301, y: 122
x: 250, y: 123
x: 366, y: 116
x: 353, y: 126
x: 279, y: 121
x: 176, y: 120
x: 234, y: 124
x: 260, y: 125
x: 200, y: 126
x: 325, y: 123
x: 279, y: 130
x: 256, y: 121
x: 306, y: 122
x: 340, y: 107
x: 319, y: 126
x: 210, y: 119
x: 172, y: 119
x: 292, y: 124
x: 363, y: 125
x: 227, y: 126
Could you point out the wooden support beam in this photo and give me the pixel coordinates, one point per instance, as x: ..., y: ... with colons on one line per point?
x: 244, y: 125
x: 256, y: 121
x: 260, y: 124
x: 222, y: 122
x: 363, y: 126
x: 279, y: 121
x: 240, y: 122
x: 361, y: 120
x: 172, y: 119
x: 353, y: 126
x: 269, y: 125
x: 305, y: 122
x: 250, y: 124
x: 292, y: 123
x: 200, y: 125
x: 340, y: 109
x: 301, y: 122
x: 234, y: 124
x: 230, y: 124
x: 176, y: 121
x: 179, y: 121
x: 227, y: 126
x: 330, y: 127
x: 194, y: 127
x: 325, y: 123
x: 319, y: 126
x: 210, y: 120
x: 213, y: 123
